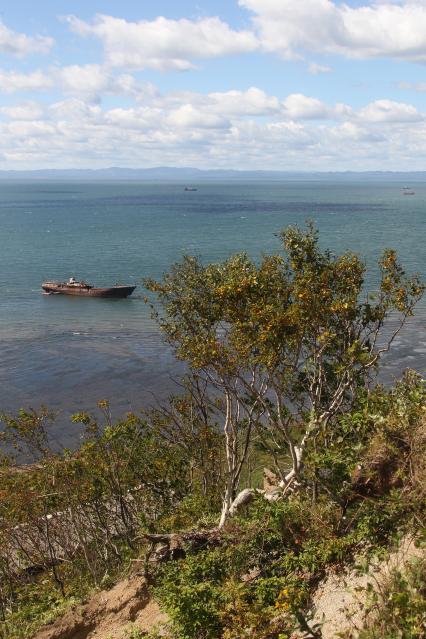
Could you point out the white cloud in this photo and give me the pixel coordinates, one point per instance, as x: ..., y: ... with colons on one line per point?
x: 389, y: 111
x: 25, y: 111
x: 90, y: 81
x: 140, y: 119
x: 254, y: 102
x: 230, y: 104
x: 413, y: 86
x: 300, y: 106
x: 20, y: 44
x: 89, y: 78
x: 75, y: 110
x: 245, y: 129
x: 352, y: 133
x: 316, y: 69
x: 163, y: 44
x: 385, y: 29
x: 12, y: 81
x: 192, y: 110
x: 188, y: 116
x: 29, y: 129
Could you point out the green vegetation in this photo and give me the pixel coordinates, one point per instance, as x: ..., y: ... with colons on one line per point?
x: 271, y: 559
x: 71, y: 520
x: 284, y: 345
x: 399, y: 609
x: 281, y: 357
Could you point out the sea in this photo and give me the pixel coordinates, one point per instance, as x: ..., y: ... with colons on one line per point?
x: 67, y: 353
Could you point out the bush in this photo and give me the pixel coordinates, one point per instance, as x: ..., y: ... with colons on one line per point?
x: 399, y: 609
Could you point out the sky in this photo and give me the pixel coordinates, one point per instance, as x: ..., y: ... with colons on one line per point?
x: 290, y: 85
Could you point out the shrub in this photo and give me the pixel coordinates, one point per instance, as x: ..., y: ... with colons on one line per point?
x: 398, y: 610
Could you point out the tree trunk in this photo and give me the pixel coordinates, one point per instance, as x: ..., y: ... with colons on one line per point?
x: 226, y: 503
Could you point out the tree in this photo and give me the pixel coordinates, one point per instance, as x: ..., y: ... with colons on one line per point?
x: 79, y: 513
x: 283, y: 344
x: 188, y: 423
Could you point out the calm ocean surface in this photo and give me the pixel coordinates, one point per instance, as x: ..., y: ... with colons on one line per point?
x: 70, y: 352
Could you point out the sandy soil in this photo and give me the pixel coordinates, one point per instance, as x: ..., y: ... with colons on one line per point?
x: 109, y: 614
x: 340, y: 601
x: 339, y: 604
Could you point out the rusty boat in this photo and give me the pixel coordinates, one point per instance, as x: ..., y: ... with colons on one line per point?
x: 72, y: 287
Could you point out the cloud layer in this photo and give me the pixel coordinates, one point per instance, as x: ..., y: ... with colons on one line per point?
x: 293, y: 28
x: 103, y: 112
x: 20, y: 44
x: 246, y: 129
x: 163, y: 44
x: 289, y: 28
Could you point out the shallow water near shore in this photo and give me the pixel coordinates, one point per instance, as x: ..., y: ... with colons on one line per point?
x: 67, y: 353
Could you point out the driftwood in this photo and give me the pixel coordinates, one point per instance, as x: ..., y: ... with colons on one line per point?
x: 169, y: 546
x: 175, y: 545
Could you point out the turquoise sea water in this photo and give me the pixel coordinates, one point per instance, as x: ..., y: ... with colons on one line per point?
x: 69, y: 352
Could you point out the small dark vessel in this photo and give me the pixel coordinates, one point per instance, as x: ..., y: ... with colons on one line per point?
x: 190, y: 188
x: 86, y: 290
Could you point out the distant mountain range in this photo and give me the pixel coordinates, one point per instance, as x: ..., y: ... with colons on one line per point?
x: 188, y: 174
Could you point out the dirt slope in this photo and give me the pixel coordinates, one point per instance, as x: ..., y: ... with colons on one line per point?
x: 340, y: 601
x: 109, y: 614
x: 339, y: 604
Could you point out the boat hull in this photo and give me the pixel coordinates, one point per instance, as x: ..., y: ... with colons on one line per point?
x: 85, y: 291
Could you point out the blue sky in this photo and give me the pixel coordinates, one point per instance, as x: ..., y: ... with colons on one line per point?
x: 251, y: 84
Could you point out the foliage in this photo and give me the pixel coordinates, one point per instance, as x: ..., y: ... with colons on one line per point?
x: 398, y: 611
x: 39, y: 603
x: 187, y: 422
x: 260, y: 581
x: 268, y: 312
x: 281, y: 355
x: 284, y: 345
x: 136, y: 633
x: 77, y: 515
